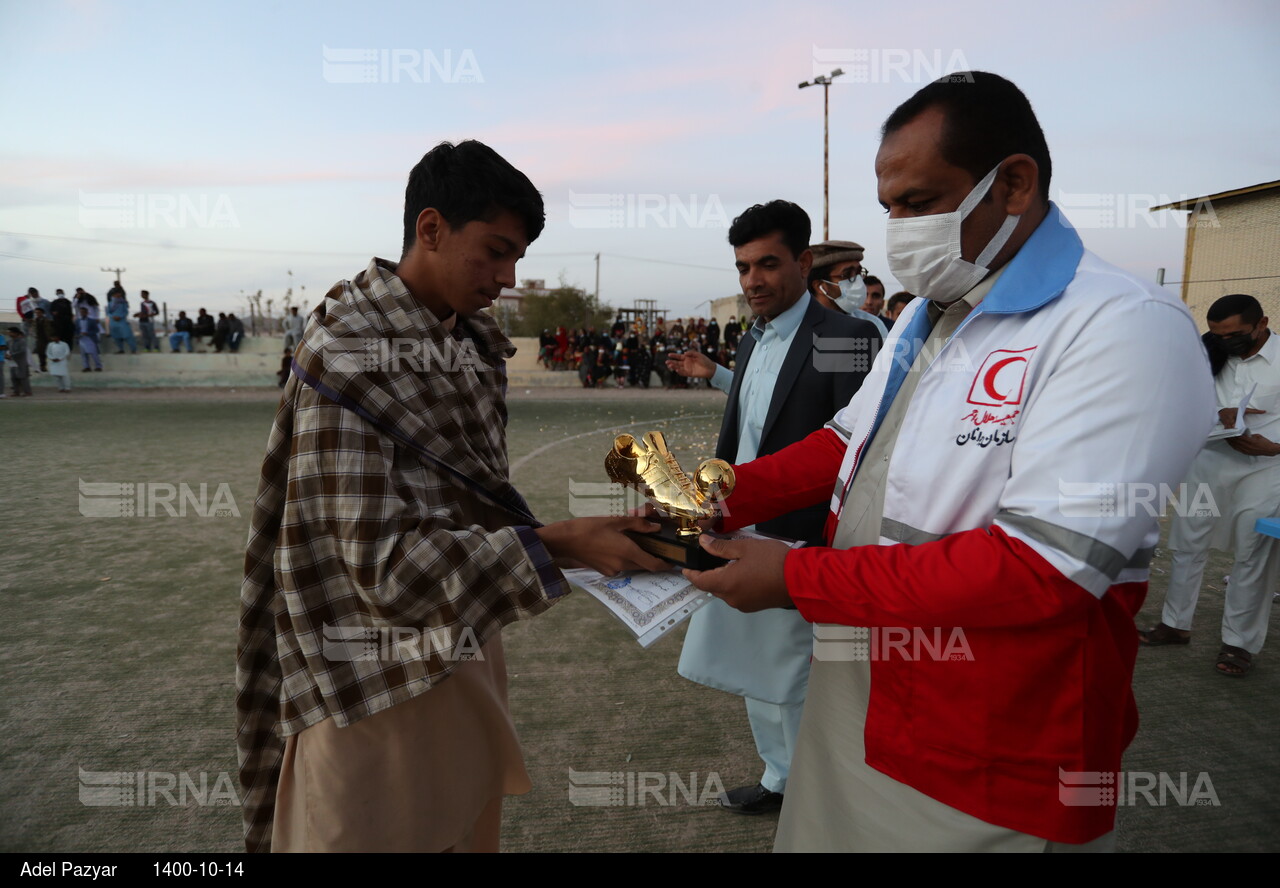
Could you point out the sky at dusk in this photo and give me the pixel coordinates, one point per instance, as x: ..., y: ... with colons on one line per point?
x: 211, y: 148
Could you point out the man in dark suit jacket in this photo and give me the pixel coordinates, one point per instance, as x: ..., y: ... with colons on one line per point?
x: 797, y: 365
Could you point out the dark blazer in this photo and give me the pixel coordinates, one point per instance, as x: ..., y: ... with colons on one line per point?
x: 817, y: 379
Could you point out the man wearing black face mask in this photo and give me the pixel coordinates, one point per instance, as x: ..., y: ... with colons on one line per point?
x: 1243, y: 474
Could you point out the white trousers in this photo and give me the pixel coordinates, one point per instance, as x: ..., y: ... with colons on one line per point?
x: 1244, y: 489
x: 775, y: 727
x: 1255, y: 576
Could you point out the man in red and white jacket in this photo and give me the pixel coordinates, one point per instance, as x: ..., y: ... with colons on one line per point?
x: 980, y: 535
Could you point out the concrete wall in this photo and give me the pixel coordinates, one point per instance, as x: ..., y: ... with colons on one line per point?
x: 256, y: 364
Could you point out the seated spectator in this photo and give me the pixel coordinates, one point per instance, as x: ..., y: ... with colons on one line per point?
x: 586, y: 368
x: 221, y: 331
x: 182, y: 328
x: 546, y: 347
x: 559, y: 356
x: 203, y: 326
x: 603, y: 366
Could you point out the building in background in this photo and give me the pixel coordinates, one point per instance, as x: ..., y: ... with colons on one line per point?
x: 1233, y: 246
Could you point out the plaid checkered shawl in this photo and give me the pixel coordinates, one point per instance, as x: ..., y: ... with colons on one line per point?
x: 383, y: 510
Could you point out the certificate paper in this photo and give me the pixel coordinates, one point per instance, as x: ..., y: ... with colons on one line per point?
x: 650, y: 604
x: 1219, y: 433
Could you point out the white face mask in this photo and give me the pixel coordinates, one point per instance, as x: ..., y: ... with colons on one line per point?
x: 853, y: 292
x: 924, y: 252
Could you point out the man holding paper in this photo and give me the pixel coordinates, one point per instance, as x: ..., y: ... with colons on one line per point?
x: 1243, y: 474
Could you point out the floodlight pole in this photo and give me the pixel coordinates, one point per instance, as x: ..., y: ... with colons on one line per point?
x: 825, y: 82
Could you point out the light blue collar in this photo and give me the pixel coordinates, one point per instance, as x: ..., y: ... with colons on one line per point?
x: 1040, y: 271
x: 785, y: 324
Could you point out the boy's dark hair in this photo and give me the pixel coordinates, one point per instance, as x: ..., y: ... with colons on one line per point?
x: 987, y: 119
x: 466, y: 182
x: 763, y: 220
x: 872, y: 279
x: 1249, y: 309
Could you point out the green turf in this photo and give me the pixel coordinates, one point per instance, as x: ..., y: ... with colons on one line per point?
x: 121, y: 634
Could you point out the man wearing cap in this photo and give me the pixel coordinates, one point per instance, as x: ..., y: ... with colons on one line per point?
x: 836, y: 281
x: 796, y: 362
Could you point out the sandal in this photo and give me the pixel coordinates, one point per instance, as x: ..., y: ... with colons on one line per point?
x: 1237, y: 661
x: 1162, y: 634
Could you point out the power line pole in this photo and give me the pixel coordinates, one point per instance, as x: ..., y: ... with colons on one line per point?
x: 118, y: 272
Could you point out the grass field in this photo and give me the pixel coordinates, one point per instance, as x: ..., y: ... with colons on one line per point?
x: 121, y: 637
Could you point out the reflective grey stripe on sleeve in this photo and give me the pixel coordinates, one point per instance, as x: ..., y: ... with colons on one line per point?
x: 1095, y: 553
x: 905, y: 533
x: 840, y: 430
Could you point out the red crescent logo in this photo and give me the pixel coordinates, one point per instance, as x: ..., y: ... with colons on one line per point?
x: 983, y: 390
x: 989, y: 380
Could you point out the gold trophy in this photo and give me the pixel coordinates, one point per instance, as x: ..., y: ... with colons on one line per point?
x: 649, y: 467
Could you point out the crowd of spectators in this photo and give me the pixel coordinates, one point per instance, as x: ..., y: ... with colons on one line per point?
x: 51, y: 330
x: 629, y: 355
x: 87, y: 326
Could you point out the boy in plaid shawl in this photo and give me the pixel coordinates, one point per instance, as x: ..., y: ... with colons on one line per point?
x: 388, y: 547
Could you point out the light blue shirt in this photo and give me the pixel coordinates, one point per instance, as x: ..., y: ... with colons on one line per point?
x: 773, y: 341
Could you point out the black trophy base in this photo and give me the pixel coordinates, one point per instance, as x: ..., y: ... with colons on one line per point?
x: 682, y: 551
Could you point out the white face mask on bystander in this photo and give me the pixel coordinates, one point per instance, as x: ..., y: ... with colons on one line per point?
x: 853, y: 292
x: 924, y: 251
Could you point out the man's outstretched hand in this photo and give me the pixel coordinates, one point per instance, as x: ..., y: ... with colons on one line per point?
x: 693, y: 364
x: 600, y: 544
x: 752, y: 581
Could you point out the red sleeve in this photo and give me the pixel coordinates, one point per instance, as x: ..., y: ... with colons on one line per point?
x: 797, y: 476
x: 981, y: 577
